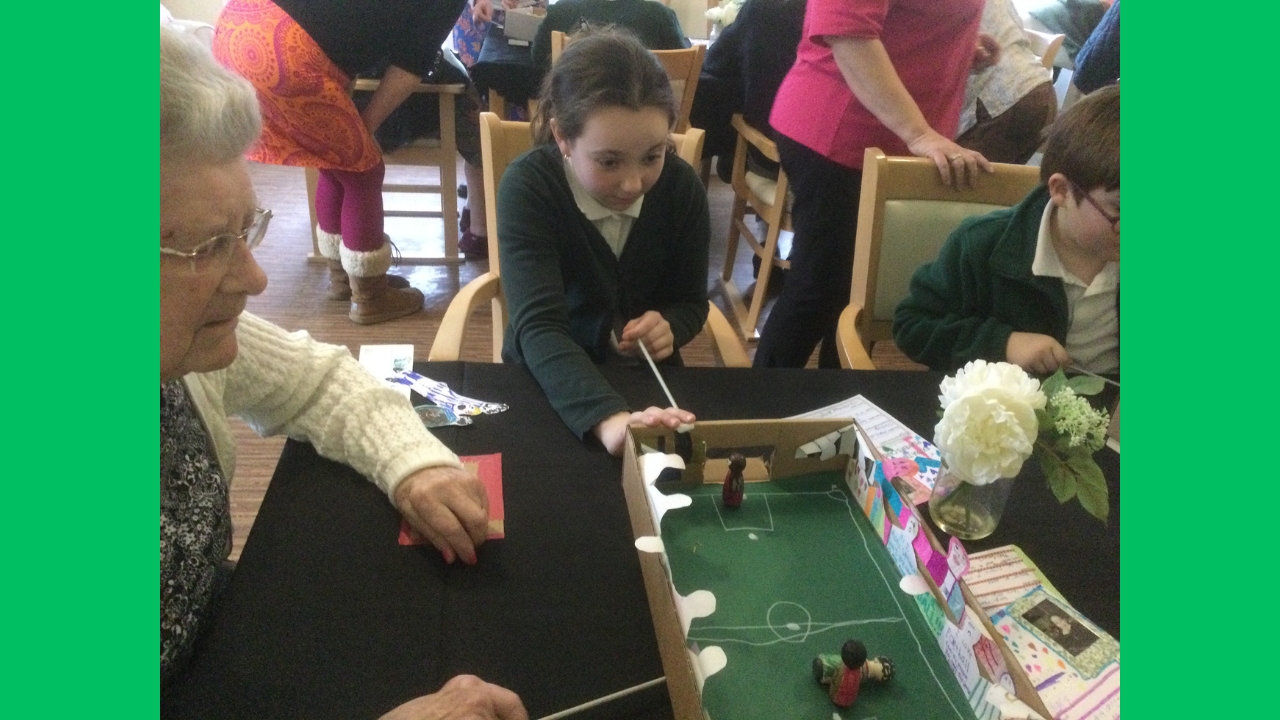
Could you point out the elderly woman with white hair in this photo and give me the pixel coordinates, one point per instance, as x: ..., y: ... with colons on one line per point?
x: 217, y: 360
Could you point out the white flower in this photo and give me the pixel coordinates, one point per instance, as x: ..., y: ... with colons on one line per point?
x: 988, y: 425
x: 731, y: 13
x: 715, y: 14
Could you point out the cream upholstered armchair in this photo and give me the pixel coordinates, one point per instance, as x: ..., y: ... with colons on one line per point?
x: 905, y: 214
x: 502, y: 141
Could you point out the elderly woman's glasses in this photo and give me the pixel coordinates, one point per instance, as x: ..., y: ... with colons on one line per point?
x: 218, y: 249
x: 1113, y: 219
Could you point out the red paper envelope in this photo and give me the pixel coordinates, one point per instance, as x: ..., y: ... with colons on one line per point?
x: 489, y: 469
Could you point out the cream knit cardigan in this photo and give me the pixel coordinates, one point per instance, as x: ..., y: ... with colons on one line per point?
x: 288, y: 383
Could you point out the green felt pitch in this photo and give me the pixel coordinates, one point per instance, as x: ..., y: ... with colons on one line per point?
x: 796, y: 571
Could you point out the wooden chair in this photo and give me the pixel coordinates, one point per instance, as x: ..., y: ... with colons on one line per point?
x: 683, y: 69
x: 1044, y: 45
x: 501, y: 142
x: 768, y: 200
x: 441, y: 153
x: 905, y: 214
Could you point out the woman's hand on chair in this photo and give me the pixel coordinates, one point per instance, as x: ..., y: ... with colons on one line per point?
x: 654, y: 331
x: 612, y: 431
x: 957, y: 165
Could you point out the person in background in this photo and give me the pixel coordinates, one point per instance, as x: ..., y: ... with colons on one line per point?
x: 867, y: 74
x: 301, y: 56
x: 604, y: 235
x: 1038, y: 284
x: 655, y: 24
x: 1098, y: 62
x: 217, y: 360
x: 1007, y: 106
x: 741, y: 74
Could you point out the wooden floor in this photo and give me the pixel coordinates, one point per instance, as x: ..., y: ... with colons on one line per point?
x: 295, y: 299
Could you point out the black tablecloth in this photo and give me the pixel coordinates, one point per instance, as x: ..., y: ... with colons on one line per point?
x: 505, y: 68
x: 326, y: 616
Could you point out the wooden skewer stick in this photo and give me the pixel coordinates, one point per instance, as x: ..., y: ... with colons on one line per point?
x: 1082, y: 371
x: 657, y: 374
x: 607, y: 698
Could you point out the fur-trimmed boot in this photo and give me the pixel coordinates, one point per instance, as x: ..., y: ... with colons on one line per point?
x: 339, y: 284
x: 373, y: 298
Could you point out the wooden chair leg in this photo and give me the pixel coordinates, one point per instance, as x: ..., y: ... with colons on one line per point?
x: 449, y: 175
x: 762, y: 278
x: 313, y: 180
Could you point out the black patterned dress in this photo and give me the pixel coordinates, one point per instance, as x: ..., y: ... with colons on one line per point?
x: 195, y: 525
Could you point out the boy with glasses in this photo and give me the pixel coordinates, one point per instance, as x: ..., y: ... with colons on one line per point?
x: 1037, y: 284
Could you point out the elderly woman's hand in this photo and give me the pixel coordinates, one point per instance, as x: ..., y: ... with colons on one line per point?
x: 465, y: 697
x: 448, y: 507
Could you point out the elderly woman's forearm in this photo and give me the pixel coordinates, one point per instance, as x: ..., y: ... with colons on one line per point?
x: 867, y: 69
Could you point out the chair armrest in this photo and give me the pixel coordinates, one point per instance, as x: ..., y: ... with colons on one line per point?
x: 448, y: 342
x: 725, y: 339
x: 853, y: 354
x: 755, y: 137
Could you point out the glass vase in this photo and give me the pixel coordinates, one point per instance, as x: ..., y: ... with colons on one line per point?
x: 965, y: 510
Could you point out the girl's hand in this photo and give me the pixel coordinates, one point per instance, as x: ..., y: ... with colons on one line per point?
x: 654, y: 331
x: 612, y: 431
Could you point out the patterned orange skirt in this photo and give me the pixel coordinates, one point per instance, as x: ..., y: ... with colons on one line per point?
x: 308, y: 118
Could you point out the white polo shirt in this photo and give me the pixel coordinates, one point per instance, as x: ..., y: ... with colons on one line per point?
x: 1093, y: 319
x: 614, y: 226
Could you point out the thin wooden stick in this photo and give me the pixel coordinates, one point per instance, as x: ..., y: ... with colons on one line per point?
x: 657, y: 374
x: 1082, y: 371
x: 607, y: 698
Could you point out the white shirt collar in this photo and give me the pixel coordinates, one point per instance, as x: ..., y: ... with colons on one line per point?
x: 591, y: 207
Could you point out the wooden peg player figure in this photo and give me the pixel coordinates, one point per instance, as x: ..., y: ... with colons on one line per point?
x: 733, y: 482
x: 843, y: 673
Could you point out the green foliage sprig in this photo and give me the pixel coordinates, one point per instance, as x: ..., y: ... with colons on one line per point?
x: 1071, y: 431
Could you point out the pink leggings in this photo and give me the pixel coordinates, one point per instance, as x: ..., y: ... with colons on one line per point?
x: 350, y: 203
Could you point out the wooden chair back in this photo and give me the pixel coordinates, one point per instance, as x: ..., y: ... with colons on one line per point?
x: 905, y: 214
x: 683, y: 69
x: 1044, y: 45
x: 768, y: 200
x: 558, y: 42
x: 440, y: 153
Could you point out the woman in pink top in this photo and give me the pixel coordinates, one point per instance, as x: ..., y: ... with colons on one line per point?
x: 868, y: 73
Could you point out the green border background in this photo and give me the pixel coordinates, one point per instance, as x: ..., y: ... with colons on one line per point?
x: 1197, y: 128
x: 78, y: 520
x: 80, y: 524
